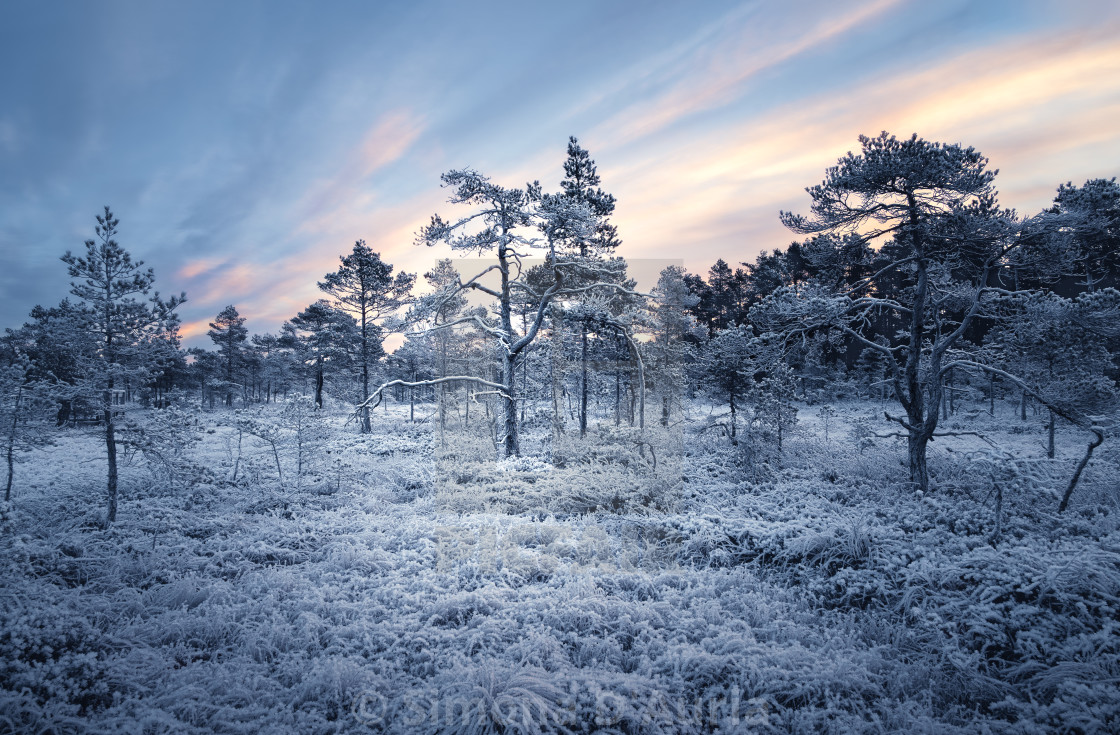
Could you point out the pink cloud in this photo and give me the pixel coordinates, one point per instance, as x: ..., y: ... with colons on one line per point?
x: 196, y: 328
x: 1033, y: 105
x: 386, y: 141
x: 705, y: 190
x: 194, y: 268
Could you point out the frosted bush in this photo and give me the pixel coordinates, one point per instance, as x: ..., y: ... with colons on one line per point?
x: 598, y: 596
x: 523, y: 464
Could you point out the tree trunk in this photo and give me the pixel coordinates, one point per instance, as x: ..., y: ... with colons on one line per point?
x: 276, y: 456
x: 779, y: 424
x: 641, y: 400
x: 111, y: 452
x: 12, y: 444
x: 633, y: 397
x: 998, y: 532
x: 443, y: 391
x: 583, y: 381
x: 617, y: 396
x: 512, y: 442
x: 365, y: 364
x: 509, y: 363
x: 920, y: 431
x: 365, y: 397
x: 237, y: 461
x: 916, y: 450
x: 731, y: 401
x: 299, y: 451
x: 1098, y: 439
x: 1050, y: 437
x: 557, y: 372
x: 952, y: 395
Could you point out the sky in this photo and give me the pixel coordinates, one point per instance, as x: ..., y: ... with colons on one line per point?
x: 245, y: 146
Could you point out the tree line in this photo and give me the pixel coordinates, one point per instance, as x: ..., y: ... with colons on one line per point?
x: 912, y: 284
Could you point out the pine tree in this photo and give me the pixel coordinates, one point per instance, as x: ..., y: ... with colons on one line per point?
x: 365, y: 287
x: 581, y: 186
x: 725, y: 368
x: 205, y: 368
x: 1057, y: 344
x: 722, y: 298
x: 228, y: 332
x: 932, y: 210
x: 107, y: 281
x: 497, y: 223
x: 57, y: 343
x: 438, y: 308
x: 326, y: 338
x: 774, y: 396
x: 675, y: 334
x: 1084, y: 224
x: 274, y: 367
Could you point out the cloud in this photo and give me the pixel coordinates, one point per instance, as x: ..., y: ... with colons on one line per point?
x: 390, y: 137
x: 9, y: 135
x: 702, y: 143
x: 191, y: 330
x: 1033, y: 104
x: 712, y: 70
x: 199, y: 267
x: 278, y: 245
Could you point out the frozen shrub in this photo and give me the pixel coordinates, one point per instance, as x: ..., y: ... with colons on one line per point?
x: 438, y: 592
x: 165, y: 439
x: 492, y: 698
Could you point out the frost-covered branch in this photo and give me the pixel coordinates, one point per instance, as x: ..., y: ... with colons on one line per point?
x: 498, y: 387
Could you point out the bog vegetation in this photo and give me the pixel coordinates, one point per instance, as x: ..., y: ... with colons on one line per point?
x: 863, y: 483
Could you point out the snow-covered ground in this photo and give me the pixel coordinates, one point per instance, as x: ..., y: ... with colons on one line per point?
x: 405, y: 585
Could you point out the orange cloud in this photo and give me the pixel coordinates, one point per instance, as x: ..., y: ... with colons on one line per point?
x: 194, y: 268
x: 267, y: 295
x: 1033, y: 105
x: 233, y: 283
x: 709, y: 188
x: 194, y: 328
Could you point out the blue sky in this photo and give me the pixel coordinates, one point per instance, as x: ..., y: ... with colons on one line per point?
x: 246, y: 145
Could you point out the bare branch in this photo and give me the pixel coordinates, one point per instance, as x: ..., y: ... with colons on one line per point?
x: 901, y: 422
x: 1096, y: 429
x: 435, y: 381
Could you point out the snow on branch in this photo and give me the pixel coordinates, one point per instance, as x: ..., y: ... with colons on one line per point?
x: 498, y: 388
